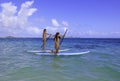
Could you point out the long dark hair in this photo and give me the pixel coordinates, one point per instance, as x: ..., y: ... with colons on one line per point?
x: 56, y: 35
x: 44, y: 30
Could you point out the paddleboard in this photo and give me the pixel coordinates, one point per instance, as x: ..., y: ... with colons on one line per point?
x: 76, y: 53
x: 46, y: 51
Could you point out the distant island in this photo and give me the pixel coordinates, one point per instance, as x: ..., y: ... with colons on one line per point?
x: 10, y: 37
x: 65, y: 37
x: 28, y: 37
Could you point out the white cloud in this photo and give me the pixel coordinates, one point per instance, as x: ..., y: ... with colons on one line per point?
x: 34, y: 30
x: 65, y: 23
x: 27, y: 4
x: 56, y: 27
x: 6, y: 16
x: 51, y: 29
x: 98, y: 34
x: 55, y: 23
x: 8, y: 9
x: 26, y: 10
x: 14, y: 22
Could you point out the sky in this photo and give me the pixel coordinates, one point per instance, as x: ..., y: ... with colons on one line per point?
x: 82, y: 18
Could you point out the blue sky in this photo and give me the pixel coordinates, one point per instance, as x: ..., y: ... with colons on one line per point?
x: 82, y: 18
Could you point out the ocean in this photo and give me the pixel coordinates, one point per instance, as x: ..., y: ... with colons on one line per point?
x: 101, y: 64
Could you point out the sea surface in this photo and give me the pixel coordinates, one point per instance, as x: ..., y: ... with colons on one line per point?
x: 101, y: 64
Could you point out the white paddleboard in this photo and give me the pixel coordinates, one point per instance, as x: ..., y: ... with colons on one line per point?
x: 46, y: 51
x: 78, y: 53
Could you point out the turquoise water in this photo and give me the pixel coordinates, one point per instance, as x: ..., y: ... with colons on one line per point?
x: 101, y: 64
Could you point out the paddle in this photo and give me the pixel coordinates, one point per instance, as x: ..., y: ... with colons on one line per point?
x: 63, y: 37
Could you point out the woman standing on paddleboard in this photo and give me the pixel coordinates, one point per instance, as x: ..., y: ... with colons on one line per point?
x: 44, y: 38
x: 56, y: 41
